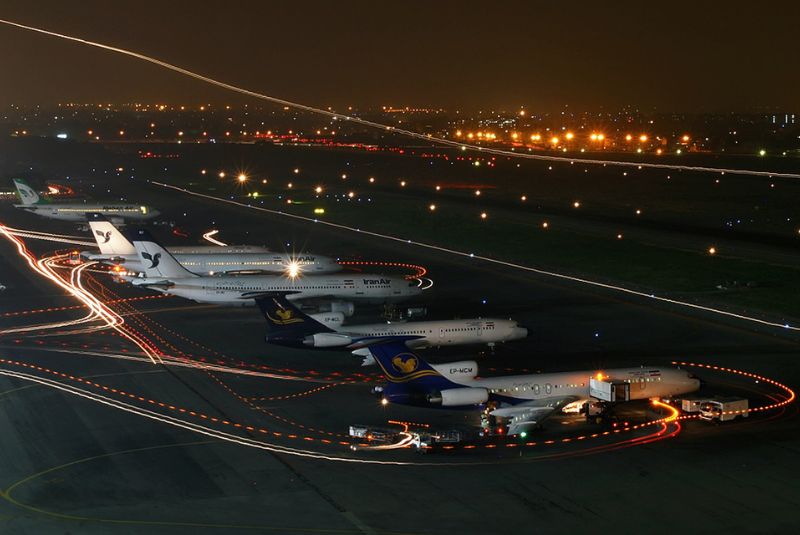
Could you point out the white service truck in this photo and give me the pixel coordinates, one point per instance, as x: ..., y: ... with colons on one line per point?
x: 724, y: 409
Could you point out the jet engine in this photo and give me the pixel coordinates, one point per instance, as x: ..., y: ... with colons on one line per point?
x: 327, y: 340
x: 345, y: 307
x: 457, y: 397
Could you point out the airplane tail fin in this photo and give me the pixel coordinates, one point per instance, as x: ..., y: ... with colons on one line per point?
x: 157, y: 261
x: 109, y: 239
x: 285, y: 319
x: 27, y: 194
x: 402, y: 366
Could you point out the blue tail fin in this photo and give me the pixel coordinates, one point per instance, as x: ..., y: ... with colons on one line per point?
x: 400, y: 365
x: 285, y: 320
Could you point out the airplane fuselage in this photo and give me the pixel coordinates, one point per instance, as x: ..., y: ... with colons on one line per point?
x: 77, y: 212
x: 645, y: 383
x: 237, y: 290
x: 211, y: 262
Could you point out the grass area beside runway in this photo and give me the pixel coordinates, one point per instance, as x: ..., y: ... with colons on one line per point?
x: 744, y: 286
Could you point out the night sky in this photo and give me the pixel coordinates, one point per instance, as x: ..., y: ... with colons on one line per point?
x: 678, y: 56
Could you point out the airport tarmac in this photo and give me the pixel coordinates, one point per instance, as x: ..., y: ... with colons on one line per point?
x: 71, y: 464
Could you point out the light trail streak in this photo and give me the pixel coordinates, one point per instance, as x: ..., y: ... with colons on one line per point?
x: 464, y: 254
x: 189, y: 363
x: 198, y: 428
x: 96, y: 308
x: 408, y: 133
x: 60, y: 238
x: 790, y: 394
x: 208, y: 236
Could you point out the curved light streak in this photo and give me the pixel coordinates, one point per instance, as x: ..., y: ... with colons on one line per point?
x: 208, y: 236
x: 561, y: 276
x: 408, y: 133
x: 75, y: 288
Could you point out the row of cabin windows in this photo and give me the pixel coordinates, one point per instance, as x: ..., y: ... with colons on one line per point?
x: 548, y: 387
x: 535, y: 388
x: 461, y: 329
x: 239, y: 288
x: 104, y: 209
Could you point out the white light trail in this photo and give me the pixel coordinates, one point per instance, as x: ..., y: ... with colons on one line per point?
x: 46, y: 236
x: 75, y: 288
x: 408, y: 133
x: 495, y: 261
x: 202, y: 429
x: 208, y: 236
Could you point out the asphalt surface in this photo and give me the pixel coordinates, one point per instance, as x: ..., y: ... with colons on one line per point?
x: 69, y: 464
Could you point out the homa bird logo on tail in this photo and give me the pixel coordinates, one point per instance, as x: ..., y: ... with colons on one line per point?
x: 107, y: 237
x: 405, y: 363
x: 153, y: 259
x: 285, y: 316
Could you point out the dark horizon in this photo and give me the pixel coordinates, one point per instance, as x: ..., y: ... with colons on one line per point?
x: 467, y: 56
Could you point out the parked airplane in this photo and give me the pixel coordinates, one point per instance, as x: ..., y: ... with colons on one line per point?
x: 287, y: 325
x: 526, y: 400
x: 163, y: 273
x: 206, y: 260
x: 118, y: 212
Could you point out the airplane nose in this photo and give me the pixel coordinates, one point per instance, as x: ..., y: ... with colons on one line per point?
x: 520, y: 332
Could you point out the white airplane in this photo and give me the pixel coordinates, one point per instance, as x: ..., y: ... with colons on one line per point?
x: 163, y: 273
x: 115, y: 248
x: 116, y: 211
x: 526, y: 400
x: 287, y: 325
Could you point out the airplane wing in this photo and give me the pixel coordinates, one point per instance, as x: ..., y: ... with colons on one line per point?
x: 529, y: 414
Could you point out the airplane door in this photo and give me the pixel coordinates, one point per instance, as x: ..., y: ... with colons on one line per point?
x: 642, y: 383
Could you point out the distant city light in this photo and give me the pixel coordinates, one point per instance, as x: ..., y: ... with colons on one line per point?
x: 628, y: 137
x: 484, y: 215
x: 712, y: 250
x: 569, y: 135
x: 296, y: 171
x: 242, y: 177
x: 402, y: 183
x: 318, y: 189
x: 432, y: 207
x: 762, y: 152
x: 576, y: 204
x: 523, y: 198
x: 221, y: 174
x: 545, y: 224
x: 319, y: 210
x: 477, y: 192
x: 643, y: 138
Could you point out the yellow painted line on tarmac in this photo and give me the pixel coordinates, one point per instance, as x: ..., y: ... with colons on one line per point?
x: 6, y: 494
